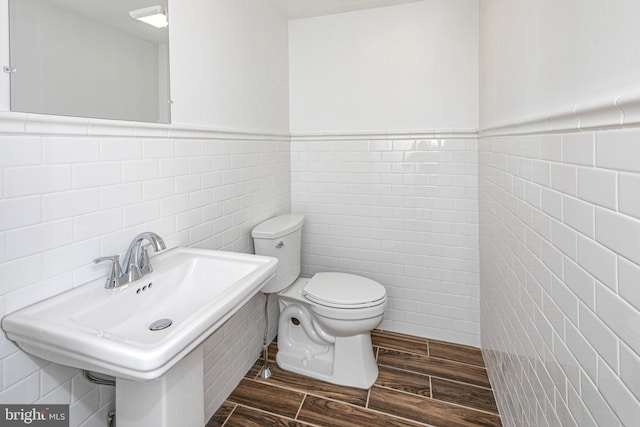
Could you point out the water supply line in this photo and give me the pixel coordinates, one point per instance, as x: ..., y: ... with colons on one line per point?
x: 265, y: 372
x: 92, y: 378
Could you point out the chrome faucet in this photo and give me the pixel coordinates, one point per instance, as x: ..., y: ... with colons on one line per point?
x: 136, y: 263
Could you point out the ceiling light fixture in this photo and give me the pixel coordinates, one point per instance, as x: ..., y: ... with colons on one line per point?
x: 154, y: 15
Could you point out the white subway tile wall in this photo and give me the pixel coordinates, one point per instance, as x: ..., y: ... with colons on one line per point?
x: 65, y: 200
x: 561, y: 326
x: 399, y: 211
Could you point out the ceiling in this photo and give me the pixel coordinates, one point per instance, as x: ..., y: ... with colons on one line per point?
x: 115, y: 13
x: 297, y: 9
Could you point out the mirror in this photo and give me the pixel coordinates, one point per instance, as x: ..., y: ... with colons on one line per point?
x: 89, y: 58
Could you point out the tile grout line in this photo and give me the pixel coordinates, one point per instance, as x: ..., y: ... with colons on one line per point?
x: 253, y: 408
x: 377, y: 411
x: 300, y: 407
x: 230, y: 413
x: 350, y: 404
x: 430, y: 387
x: 402, y: 350
x: 438, y: 377
x: 366, y: 404
x: 431, y: 376
x: 437, y: 400
x: 304, y: 390
x: 397, y: 336
x: 411, y: 339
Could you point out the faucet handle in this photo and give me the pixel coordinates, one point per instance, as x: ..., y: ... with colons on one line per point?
x: 115, y: 273
x: 145, y: 263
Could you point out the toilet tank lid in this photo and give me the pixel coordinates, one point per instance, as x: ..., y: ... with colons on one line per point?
x: 278, y: 226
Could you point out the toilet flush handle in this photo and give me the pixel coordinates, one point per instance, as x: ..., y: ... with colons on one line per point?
x: 280, y: 244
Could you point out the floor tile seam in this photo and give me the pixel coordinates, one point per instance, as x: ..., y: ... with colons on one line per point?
x: 349, y: 404
x: 333, y: 399
x: 284, y: 387
x: 402, y: 337
x: 436, y: 376
x: 253, y: 377
x: 305, y: 392
x: 398, y: 417
x: 422, y: 340
x: 375, y: 356
x: 420, y: 423
x: 401, y: 391
x: 403, y: 350
x: 439, y: 400
x: 469, y: 407
x: 255, y: 408
x: 235, y: 405
x: 375, y: 411
x: 488, y: 388
x: 403, y: 342
x: 453, y: 344
x: 272, y: 385
x: 300, y: 406
x: 461, y: 363
x: 430, y: 386
x: 409, y: 371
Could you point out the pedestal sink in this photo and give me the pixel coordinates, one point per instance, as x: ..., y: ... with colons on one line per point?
x: 146, y: 333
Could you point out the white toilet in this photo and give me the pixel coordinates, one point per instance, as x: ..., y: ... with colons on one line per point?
x: 325, y: 321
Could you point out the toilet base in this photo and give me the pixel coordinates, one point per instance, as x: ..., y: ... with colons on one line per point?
x: 349, y: 361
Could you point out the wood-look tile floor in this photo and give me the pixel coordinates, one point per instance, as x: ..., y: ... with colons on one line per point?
x: 421, y: 383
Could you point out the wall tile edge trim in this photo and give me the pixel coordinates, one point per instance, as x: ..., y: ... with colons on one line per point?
x: 13, y: 123
x: 606, y: 113
x: 376, y: 135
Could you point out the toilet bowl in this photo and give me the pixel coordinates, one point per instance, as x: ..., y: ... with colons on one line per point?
x: 326, y: 321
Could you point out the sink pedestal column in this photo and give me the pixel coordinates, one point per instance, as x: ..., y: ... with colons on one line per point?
x: 174, y: 399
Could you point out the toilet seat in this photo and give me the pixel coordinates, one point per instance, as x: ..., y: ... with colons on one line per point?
x: 342, y: 290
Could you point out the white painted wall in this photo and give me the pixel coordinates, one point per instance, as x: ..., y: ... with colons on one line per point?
x: 229, y: 66
x: 543, y: 56
x: 70, y: 65
x: 412, y: 66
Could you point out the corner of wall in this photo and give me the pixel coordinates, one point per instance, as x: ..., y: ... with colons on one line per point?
x: 5, y: 86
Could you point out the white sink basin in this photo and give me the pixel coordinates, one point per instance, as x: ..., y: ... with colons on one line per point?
x: 107, y: 330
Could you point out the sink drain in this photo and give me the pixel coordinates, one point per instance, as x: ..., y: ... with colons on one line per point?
x: 160, y: 324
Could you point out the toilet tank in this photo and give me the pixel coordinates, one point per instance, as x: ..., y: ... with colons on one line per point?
x: 280, y: 237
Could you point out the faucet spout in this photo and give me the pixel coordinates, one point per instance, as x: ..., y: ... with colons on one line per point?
x: 156, y: 241
x: 136, y: 262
